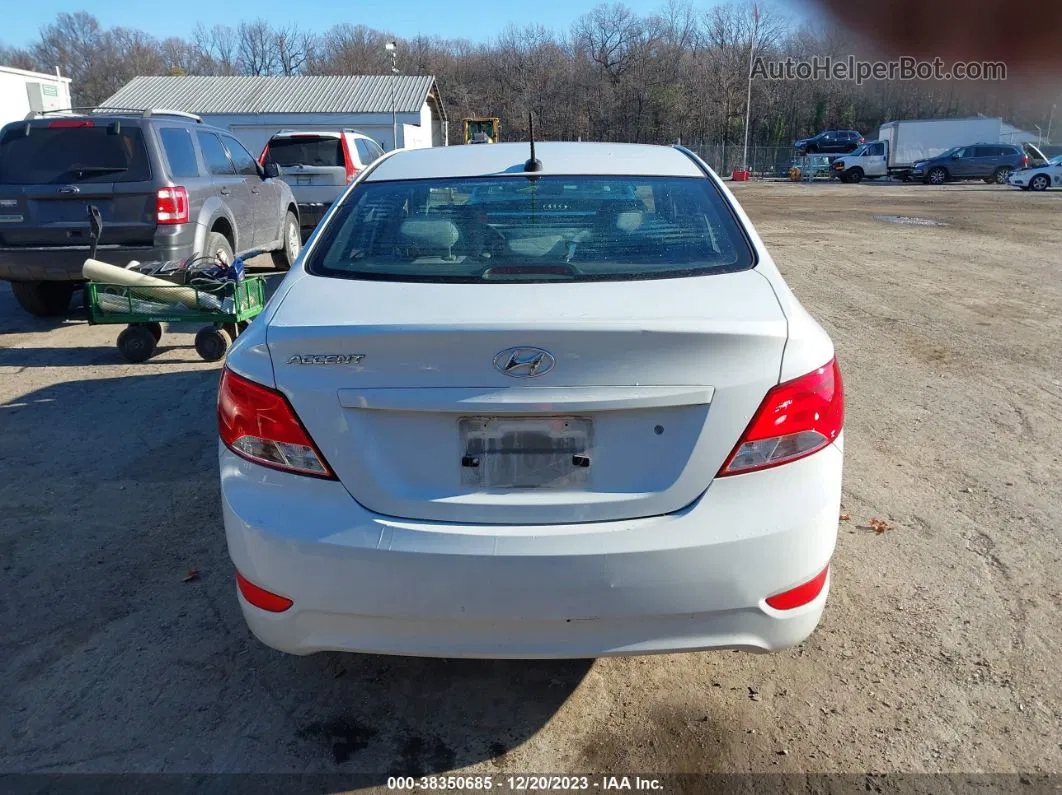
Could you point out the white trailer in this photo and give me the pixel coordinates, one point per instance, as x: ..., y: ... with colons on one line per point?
x: 900, y: 143
x: 22, y: 92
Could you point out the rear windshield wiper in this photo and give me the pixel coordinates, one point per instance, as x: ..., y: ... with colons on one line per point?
x: 97, y: 169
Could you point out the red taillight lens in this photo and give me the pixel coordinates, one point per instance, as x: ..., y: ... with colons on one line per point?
x: 61, y: 123
x: 801, y: 595
x: 262, y: 157
x: 1024, y: 161
x: 862, y: 140
x: 796, y: 419
x: 348, y: 160
x: 171, y: 206
x: 260, y: 597
x: 260, y: 425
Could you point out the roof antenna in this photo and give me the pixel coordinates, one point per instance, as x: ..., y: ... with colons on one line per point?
x: 534, y: 164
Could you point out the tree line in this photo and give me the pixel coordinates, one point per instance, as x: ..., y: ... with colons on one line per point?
x: 678, y: 74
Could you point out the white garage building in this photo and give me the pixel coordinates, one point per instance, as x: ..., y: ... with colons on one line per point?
x: 22, y: 91
x: 254, y: 108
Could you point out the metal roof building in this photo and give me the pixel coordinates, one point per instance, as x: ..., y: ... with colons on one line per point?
x: 401, y: 110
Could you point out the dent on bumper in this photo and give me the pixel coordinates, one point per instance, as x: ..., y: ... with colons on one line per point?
x: 695, y: 579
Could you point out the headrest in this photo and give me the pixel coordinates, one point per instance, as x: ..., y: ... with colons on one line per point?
x: 437, y: 234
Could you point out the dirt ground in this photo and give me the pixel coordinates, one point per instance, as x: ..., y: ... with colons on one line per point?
x: 941, y: 645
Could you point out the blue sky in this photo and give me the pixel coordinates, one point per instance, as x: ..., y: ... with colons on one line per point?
x: 473, y: 20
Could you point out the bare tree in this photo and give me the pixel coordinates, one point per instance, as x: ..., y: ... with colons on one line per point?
x: 256, y: 48
x: 294, y: 47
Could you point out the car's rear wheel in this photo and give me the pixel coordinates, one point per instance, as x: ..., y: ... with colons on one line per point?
x: 1039, y: 182
x: 44, y: 299
x: 1002, y: 175
x: 286, y: 256
x: 937, y: 176
x: 218, y: 246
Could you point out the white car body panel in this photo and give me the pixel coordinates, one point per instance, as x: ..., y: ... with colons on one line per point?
x: 656, y: 554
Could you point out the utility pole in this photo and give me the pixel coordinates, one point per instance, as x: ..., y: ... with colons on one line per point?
x: 392, y: 47
x: 748, y: 96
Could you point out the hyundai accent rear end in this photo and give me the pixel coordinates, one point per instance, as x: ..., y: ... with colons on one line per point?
x: 504, y: 408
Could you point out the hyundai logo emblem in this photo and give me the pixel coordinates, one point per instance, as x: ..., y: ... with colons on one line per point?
x: 524, y: 362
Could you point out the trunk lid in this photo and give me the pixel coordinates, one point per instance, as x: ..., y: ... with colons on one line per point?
x: 50, y: 174
x: 643, y: 391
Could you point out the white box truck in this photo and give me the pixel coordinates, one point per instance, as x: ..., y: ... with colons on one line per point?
x: 900, y: 143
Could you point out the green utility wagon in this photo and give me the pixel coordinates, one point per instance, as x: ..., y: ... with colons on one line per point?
x: 227, y: 308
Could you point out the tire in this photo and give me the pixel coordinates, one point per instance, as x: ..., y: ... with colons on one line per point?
x: 811, y: 150
x: 44, y: 299
x: 136, y: 343
x: 1001, y: 175
x: 154, y: 328
x: 285, y: 257
x: 937, y: 176
x: 1039, y: 183
x: 844, y: 178
x: 212, y: 343
x: 218, y: 245
x: 855, y: 175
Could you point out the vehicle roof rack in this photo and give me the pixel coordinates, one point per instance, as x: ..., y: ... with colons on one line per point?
x: 146, y: 113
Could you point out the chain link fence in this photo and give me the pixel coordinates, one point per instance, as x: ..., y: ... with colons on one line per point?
x: 764, y: 161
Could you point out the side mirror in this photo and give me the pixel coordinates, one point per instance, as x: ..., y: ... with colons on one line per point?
x: 954, y: 157
x: 270, y: 170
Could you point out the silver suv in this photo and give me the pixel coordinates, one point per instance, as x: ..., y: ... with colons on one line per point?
x: 167, y: 187
x: 318, y: 165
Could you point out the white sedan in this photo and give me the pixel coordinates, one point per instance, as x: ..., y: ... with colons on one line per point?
x: 505, y: 407
x: 1038, y: 177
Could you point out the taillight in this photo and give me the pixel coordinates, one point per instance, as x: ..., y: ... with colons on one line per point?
x: 62, y: 123
x: 171, y: 206
x: 260, y: 597
x: 348, y: 161
x: 796, y: 419
x: 258, y: 423
x: 1024, y: 161
x: 262, y: 157
x: 862, y: 140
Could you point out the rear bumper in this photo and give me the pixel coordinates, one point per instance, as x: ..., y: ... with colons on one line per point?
x: 26, y: 263
x: 696, y: 579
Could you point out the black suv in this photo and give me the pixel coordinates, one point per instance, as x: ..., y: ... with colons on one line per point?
x: 988, y: 162
x: 167, y: 187
x: 830, y: 142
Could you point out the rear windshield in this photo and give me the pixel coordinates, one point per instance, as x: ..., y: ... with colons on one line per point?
x: 516, y: 228
x: 63, y: 155
x: 306, y: 151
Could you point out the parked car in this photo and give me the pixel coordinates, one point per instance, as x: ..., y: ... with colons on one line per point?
x: 519, y: 429
x: 319, y: 165
x: 1040, y: 177
x: 167, y: 186
x: 829, y: 142
x: 988, y: 162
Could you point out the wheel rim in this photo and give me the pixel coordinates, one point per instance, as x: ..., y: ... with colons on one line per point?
x: 293, y: 242
x: 1039, y: 182
x: 1002, y: 175
x: 936, y: 177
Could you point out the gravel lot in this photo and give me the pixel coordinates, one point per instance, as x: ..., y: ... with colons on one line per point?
x: 941, y: 645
